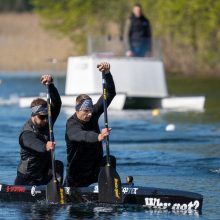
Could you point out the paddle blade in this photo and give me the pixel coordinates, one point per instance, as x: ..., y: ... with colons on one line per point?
x: 109, y: 186
x: 54, y: 193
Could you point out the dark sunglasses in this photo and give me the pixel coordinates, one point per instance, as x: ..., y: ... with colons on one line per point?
x: 42, y: 117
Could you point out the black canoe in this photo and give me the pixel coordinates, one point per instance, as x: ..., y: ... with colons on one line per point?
x: 151, y: 198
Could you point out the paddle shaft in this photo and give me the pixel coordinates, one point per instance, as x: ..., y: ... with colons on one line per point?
x: 51, y: 135
x: 105, y: 116
x: 109, y: 182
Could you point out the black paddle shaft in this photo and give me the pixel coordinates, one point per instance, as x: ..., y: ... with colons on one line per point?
x: 51, y: 135
x: 108, y: 181
x: 54, y: 193
x: 105, y: 116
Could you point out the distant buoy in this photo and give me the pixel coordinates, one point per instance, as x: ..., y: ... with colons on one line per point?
x: 155, y: 112
x: 170, y: 127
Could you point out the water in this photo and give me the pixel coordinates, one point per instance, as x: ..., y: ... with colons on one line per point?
x: 187, y: 158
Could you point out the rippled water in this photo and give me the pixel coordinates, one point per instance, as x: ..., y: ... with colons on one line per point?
x: 187, y: 158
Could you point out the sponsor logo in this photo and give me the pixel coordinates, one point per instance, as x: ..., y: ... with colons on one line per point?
x: 116, y: 188
x: 156, y: 203
x: 34, y: 191
x: 96, y: 189
x: 67, y: 190
x: 105, y: 92
x: 127, y: 190
x: 61, y: 196
x: 15, y: 189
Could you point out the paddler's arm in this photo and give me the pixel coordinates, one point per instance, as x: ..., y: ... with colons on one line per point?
x: 55, y: 102
x: 76, y: 133
x: 28, y: 139
x: 110, y: 87
x: 54, y: 95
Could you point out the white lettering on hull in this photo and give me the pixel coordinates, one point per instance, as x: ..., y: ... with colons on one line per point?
x: 34, y: 191
x: 125, y: 190
x: 156, y: 203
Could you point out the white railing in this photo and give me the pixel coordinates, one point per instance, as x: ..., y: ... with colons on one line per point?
x: 117, y: 46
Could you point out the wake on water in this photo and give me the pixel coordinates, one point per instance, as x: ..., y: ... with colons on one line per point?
x: 215, y: 171
x: 12, y: 100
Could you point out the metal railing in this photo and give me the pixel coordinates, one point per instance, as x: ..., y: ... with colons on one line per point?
x: 117, y: 46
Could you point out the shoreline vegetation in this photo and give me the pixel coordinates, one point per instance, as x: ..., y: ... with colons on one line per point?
x: 26, y: 46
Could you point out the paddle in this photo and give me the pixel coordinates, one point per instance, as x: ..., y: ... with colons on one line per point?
x: 109, y: 181
x: 54, y: 193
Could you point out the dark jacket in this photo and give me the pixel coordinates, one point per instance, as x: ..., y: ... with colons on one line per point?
x: 139, y: 31
x: 35, y: 160
x: 84, y: 151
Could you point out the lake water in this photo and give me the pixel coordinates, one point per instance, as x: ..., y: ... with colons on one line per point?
x: 187, y: 158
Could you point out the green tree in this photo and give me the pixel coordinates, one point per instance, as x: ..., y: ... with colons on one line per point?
x: 189, y: 30
x: 78, y: 19
x: 15, y: 5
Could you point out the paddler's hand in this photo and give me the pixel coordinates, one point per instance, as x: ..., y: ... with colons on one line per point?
x: 46, y: 79
x: 104, y: 67
x: 50, y: 145
x: 105, y: 132
x: 129, y: 53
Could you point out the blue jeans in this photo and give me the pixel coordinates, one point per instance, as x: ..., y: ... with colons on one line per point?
x: 140, y: 49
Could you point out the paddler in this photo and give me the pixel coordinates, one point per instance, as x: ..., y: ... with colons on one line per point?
x: 35, y: 163
x: 84, y: 138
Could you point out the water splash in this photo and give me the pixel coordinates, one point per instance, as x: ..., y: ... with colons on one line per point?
x: 215, y: 171
x: 12, y: 100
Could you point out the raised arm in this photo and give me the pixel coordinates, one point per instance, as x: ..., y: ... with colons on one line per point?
x: 55, y: 97
x: 98, y: 107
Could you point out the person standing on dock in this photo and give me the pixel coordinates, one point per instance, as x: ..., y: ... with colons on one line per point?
x: 84, y: 138
x: 35, y: 163
x: 139, y: 34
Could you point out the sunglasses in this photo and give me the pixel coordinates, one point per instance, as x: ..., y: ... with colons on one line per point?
x: 42, y: 117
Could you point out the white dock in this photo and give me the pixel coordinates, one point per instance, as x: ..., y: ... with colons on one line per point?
x: 140, y: 84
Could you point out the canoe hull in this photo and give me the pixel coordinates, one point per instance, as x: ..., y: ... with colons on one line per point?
x: 151, y: 198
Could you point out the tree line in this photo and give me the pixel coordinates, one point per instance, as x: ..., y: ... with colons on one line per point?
x: 189, y: 30
x: 15, y: 5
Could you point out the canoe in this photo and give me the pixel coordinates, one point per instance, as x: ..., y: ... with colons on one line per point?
x: 149, y: 197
